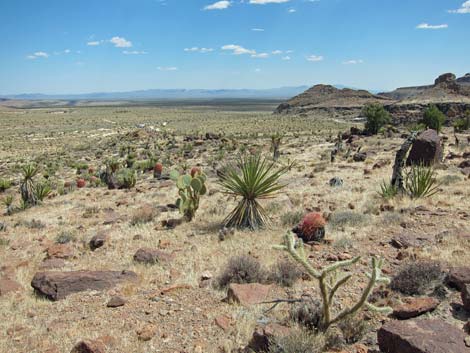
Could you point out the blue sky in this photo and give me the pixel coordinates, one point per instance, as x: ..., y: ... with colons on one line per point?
x: 78, y: 46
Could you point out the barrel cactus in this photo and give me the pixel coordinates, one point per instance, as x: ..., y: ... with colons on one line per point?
x: 311, y: 227
x: 190, y: 188
x: 157, y: 170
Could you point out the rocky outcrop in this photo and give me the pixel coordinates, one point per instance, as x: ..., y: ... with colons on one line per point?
x: 421, y: 336
x: 58, y: 285
x: 448, y: 77
x: 426, y: 149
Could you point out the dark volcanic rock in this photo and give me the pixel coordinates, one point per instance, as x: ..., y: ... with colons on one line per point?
x: 426, y: 149
x: 466, y: 297
x: 448, y: 77
x: 98, y: 241
x: 58, y: 285
x: 421, y: 336
x: 413, y: 307
x: 458, y: 277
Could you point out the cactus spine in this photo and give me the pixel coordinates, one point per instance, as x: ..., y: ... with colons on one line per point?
x: 190, y: 189
x: 329, y: 284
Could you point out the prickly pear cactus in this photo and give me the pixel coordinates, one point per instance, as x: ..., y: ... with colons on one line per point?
x: 190, y: 188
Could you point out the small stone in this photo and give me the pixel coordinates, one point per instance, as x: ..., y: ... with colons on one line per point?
x: 223, y: 321
x: 59, y: 251
x: 116, y: 302
x: 98, y: 241
x: 247, y: 294
x: 151, y: 256
x: 147, y: 332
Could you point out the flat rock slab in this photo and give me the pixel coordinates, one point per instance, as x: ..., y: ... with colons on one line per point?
x: 247, y: 294
x: 413, y: 307
x: 458, y: 277
x: 58, y: 285
x: 421, y: 336
x: 407, y: 240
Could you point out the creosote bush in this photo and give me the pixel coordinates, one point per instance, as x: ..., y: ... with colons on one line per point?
x: 433, y: 118
x: 291, y: 218
x: 144, y: 214
x: 285, y: 273
x: 346, y: 218
x: 376, y: 117
x: 241, y: 269
x: 298, y: 341
x: 418, y: 278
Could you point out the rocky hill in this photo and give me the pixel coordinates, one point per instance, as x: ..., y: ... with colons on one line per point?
x: 406, y: 104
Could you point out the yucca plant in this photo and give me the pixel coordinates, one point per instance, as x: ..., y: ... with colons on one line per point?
x: 8, y: 202
x: 5, y: 184
x: 28, y: 196
x: 252, y: 178
x: 420, y: 181
x: 41, y: 190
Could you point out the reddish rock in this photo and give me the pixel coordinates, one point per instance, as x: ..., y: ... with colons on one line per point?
x: 8, y: 286
x: 58, y: 285
x: 466, y: 297
x: 98, y: 241
x: 426, y: 149
x: 264, y: 334
x: 59, y: 251
x: 48, y: 264
x: 413, y: 307
x: 89, y: 347
x: 247, y: 294
x: 147, y: 332
x: 458, y: 277
x: 151, y: 256
x: 223, y: 321
x: 421, y: 336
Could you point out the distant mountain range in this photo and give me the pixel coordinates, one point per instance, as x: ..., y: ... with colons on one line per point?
x: 272, y: 93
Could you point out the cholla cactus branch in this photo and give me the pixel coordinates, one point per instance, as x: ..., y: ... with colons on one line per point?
x: 328, y: 275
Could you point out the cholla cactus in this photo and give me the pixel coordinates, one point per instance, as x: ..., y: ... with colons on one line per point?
x: 311, y: 227
x: 329, y: 283
x: 190, y: 189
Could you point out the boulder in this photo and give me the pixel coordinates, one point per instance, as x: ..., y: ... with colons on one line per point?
x: 89, y: 347
x: 247, y: 294
x: 421, y: 336
x: 413, y: 307
x: 116, y: 302
x: 360, y: 157
x: 151, y: 256
x: 58, y: 285
x: 98, y: 241
x: 426, y: 149
x: 448, y: 77
x: 458, y: 277
x: 264, y: 334
x: 465, y: 293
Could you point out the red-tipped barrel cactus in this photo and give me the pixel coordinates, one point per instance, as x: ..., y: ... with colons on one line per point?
x: 157, y: 170
x: 195, y: 171
x: 81, y: 183
x: 311, y: 227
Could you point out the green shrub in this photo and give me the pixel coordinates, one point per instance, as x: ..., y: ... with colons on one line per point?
x: 41, y: 190
x: 253, y: 178
x: 433, y: 118
x: 387, y: 190
x: 126, y: 178
x: 464, y: 123
x: 5, y: 184
x: 376, y: 116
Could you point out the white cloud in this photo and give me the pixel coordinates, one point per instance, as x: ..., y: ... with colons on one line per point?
x: 219, y: 5
x: 465, y: 8
x: 353, y: 62
x: 120, y: 42
x: 134, y: 52
x: 38, y: 54
x: 292, y: 10
x: 276, y: 52
x: 257, y: 70
x: 257, y: 29
x: 238, y: 50
x: 428, y: 26
x: 264, y: 2
x: 286, y: 58
x: 314, y: 58
x: 198, y: 50
x: 260, y: 55
x: 67, y: 51
x: 167, y: 68
x: 93, y: 43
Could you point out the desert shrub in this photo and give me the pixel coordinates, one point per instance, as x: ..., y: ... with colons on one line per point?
x: 291, y: 218
x: 65, y: 237
x: 463, y: 123
x: 433, y: 118
x: 450, y: 179
x: 241, y: 269
x: 390, y: 218
x: 34, y: 224
x: 420, y: 181
x: 376, y: 117
x: 387, y: 190
x: 417, y: 277
x: 126, y: 178
x: 285, y: 273
x: 307, y: 313
x: 298, y: 341
x: 346, y: 218
x: 4, y: 242
x: 416, y: 127
x: 353, y: 329
x: 41, y: 190
x: 144, y: 214
x: 252, y: 179
x: 5, y: 184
